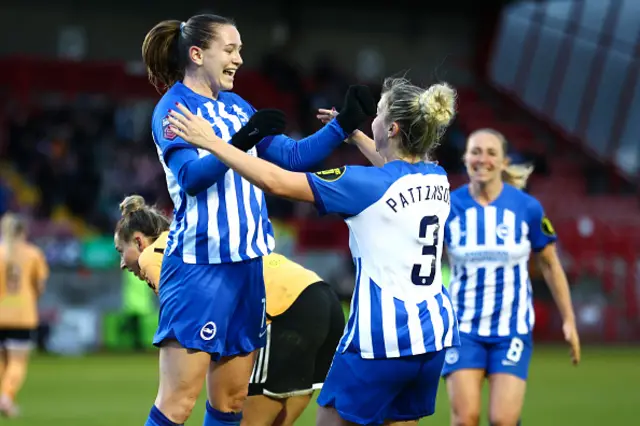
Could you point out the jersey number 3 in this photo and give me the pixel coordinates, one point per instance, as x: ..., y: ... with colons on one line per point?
x: 428, y: 250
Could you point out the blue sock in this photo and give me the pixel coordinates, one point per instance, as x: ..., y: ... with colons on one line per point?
x: 214, y: 417
x: 156, y: 418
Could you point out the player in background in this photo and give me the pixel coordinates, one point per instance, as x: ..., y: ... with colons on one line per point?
x: 492, y: 230
x: 387, y: 367
x: 305, y: 319
x: 489, y: 285
x: 212, y: 294
x: 23, y: 274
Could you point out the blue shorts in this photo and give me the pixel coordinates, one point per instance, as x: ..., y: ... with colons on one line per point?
x: 218, y: 309
x: 508, y: 355
x: 372, y: 391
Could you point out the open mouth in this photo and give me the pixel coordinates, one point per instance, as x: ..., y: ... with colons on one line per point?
x: 481, y: 170
x: 230, y: 73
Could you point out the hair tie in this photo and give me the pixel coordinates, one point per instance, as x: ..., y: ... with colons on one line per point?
x: 182, y: 25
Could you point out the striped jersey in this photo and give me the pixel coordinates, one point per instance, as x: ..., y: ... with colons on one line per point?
x: 396, y: 216
x: 489, y: 248
x: 228, y: 221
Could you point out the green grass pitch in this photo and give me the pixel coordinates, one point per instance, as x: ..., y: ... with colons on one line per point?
x: 118, y: 389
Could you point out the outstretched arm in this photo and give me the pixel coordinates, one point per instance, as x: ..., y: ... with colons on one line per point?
x: 304, y: 154
x: 266, y: 176
x: 365, y: 144
x: 367, y: 147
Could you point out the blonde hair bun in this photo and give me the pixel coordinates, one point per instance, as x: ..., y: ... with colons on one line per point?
x: 438, y: 103
x: 131, y: 204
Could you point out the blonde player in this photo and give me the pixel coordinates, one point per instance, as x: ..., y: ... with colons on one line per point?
x: 387, y: 367
x: 492, y: 217
x: 23, y: 273
x: 492, y: 294
x: 304, y: 315
x: 493, y: 230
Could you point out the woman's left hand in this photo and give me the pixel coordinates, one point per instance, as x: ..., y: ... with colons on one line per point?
x: 192, y: 128
x: 571, y: 336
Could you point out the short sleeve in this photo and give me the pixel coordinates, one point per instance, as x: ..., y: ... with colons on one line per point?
x: 541, y: 232
x: 447, y: 229
x: 453, y: 213
x: 166, y: 139
x: 343, y: 190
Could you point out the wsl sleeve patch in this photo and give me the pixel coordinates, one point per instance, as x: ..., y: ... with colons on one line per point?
x: 547, y: 227
x: 331, y: 175
x: 166, y: 130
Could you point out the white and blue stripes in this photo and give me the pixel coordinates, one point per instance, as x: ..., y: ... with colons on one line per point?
x: 382, y: 326
x: 228, y: 222
x: 489, y: 249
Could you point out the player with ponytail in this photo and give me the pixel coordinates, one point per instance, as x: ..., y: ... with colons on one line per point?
x: 387, y: 366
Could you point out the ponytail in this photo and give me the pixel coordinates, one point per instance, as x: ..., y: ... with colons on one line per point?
x: 165, y: 50
x: 11, y: 228
x: 161, y: 55
x: 517, y: 175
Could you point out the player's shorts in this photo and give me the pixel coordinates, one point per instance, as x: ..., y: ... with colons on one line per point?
x: 16, y: 338
x: 218, y: 309
x: 372, y: 391
x: 508, y: 355
x: 300, y: 345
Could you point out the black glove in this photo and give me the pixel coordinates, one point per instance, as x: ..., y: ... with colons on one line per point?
x: 263, y: 123
x: 358, y: 106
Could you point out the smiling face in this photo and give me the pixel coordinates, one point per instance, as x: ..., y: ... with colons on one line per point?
x: 221, y: 59
x: 485, y: 158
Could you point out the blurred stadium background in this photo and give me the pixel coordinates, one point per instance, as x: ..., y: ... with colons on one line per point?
x: 559, y: 78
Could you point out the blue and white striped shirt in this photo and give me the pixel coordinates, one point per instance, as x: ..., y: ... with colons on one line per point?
x: 219, y: 217
x: 489, y: 248
x: 396, y: 216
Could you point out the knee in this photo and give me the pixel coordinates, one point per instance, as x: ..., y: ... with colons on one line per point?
x: 177, y: 408
x: 231, y: 400
x: 466, y: 417
x: 504, y: 418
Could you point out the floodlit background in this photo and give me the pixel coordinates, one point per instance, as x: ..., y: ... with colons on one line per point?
x: 559, y: 78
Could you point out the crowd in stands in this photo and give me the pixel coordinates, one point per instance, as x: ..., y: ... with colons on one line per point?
x: 87, y: 153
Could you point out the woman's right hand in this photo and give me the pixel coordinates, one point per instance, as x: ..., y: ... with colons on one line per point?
x: 326, y: 115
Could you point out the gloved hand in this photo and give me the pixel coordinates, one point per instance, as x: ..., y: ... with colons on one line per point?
x: 265, y: 122
x: 358, y: 106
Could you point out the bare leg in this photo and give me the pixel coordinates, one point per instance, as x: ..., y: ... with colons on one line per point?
x: 464, y: 388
